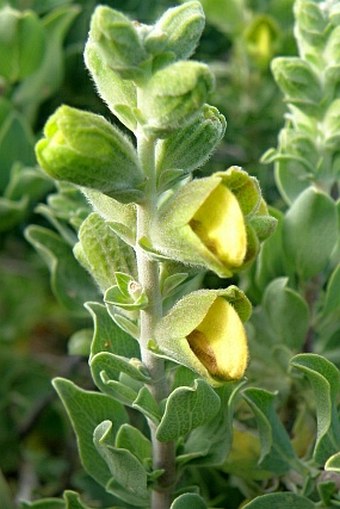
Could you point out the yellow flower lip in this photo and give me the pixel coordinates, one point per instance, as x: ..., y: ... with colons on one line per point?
x: 220, y: 341
x: 219, y: 224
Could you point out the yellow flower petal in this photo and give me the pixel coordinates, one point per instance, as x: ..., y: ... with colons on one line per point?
x: 220, y: 341
x: 219, y: 224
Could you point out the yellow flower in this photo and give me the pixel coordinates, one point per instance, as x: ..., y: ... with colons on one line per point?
x: 220, y: 225
x: 204, y: 331
x: 220, y: 341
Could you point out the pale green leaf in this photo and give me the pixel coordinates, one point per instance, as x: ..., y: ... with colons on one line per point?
x: 324, y: 378
x: 310, y: 231
x: 132, y: 439
x: 187, y: 408
x: 276, y: 449
x: 70, y: 283
x: 108, y: 337
x: 86, y: 411
x: 287, y: 313
x: 189, y: 501
x: 147, y: 405
x: 126, y: 469
x: 280, y: 501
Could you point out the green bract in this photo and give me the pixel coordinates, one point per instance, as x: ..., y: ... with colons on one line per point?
x: 190, y: 147
x: 177, y: 31
x: 85, y: 149
x: 174, y: 96
x: 118, y: 40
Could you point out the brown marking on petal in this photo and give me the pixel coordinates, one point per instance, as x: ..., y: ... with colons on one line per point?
x: 201, y: 348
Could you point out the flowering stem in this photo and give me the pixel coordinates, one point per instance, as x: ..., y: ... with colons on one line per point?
x: 148, y: 274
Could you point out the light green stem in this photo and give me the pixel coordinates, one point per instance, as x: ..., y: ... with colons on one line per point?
x: 148, y: 275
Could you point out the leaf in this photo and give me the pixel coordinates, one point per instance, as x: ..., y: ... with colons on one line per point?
x: 287, y: 312
x: 12, y: 212
x: 5, y: 494
x: 310, y: 231
x: 147, y: 404
x: 102, y: 252
x: 40, y: 85
x: 45, y: 503
x: 108, y: 337
x: 210, y: 443
x: 324, y: 378
x: 277, y: 452
x: 16, y: 143
x: 187, y: 408
x: 332, y: 301
x: 297, y: 80
x: 72, y: 500
x: 70, y: 283
x: 127, y: 471
x: 333, y: 463
x: 86, y: 411
x: 189, y: 501
x: 132, y: 439
x: 280, y: 501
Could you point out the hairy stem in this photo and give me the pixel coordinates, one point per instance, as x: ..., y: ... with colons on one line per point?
x: 148, y: 274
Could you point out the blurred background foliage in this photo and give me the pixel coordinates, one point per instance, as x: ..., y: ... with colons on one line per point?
x: 41, y: 67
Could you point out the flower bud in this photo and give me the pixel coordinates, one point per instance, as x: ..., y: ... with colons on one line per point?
x: 174, y: 96
x: 204, y: 331
x: 84, y: 149
x: 118, y: 40
x: 191, y: 147
x: 208, y: 222
x: 180, y: 27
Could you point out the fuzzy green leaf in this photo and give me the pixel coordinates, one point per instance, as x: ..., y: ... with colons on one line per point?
x: 70, y: 283
x: 86, y: 411
x: 332, y: 301
x: 287, y: 313
x: 72, y: 500
x: 333, y: 463
x: 310, y: 231
x: 298, y: 81
x: 133, y: 440
x: 280, y: 501
x: 127, y: 471
x: 324, y: 378
x: 277, y: 452
x: 102, y: 252
x: 209, y: 444
x: 187, y: 408
x: 147, y: 405
x: 189, y: 501
x: 108, y: 337
x: 43, y: 83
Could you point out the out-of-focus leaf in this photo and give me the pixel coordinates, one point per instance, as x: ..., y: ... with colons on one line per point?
x: 333, y: 463
x: 5, y: 495
x: 86, y: 411
x: 310, y: 230
x: 332, y: 300
x: 40, y: 85
x: 280, y: 501
x: 324, y: 378
x: 287, y: 313
x: 188, y: 501
x: 45, y: 503
x: 277, y: 453
x: 16, y: 144
x: 12, y: 212
x: 70, y: 283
